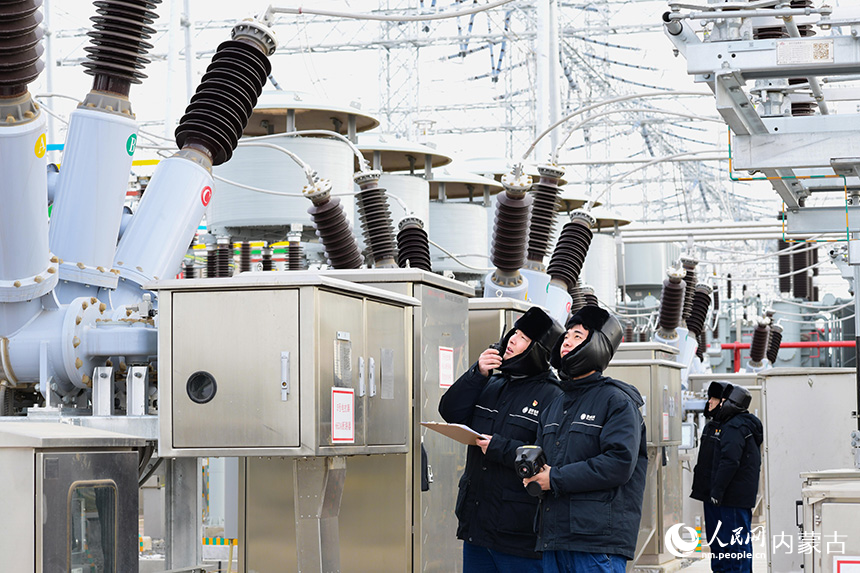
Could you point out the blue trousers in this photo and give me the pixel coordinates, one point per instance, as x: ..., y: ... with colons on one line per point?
x: 478, y: 559
x: 731, y: 531
x: 578, y: 562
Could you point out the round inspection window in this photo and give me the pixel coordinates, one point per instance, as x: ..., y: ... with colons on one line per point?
x: 201, y: 387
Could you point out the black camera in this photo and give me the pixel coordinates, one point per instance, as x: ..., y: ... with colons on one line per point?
x: 529, y: 462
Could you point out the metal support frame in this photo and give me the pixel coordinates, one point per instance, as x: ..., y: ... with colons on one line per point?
x: 137, y: 390
x: 318, y: 491
x: 184, y: 535
x: 103, y: 391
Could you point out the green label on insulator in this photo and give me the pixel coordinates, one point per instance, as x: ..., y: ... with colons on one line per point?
x: 131, y: 144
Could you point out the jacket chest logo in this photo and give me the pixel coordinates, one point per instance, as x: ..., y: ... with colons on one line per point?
x: 531, y: 411
x: 588, y: 417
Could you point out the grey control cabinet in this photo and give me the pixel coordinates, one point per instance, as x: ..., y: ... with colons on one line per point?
x: 279, y: 363
x: 831, y: 504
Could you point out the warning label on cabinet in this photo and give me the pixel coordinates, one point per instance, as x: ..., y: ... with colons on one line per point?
x: 342, y: 415
x: 446, y: 366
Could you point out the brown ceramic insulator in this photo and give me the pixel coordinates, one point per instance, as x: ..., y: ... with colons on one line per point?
x: 691, y: 280
x: 376, y: 223
x: 590, y: 297
x: 729, y: 286
x: 545, y: 193
x: 118, y: 46
x: 413, y: 247
x: 222, y: 104
x: 509, y: 232
x: 224, y: 257
x: 335, y: 234
x: 699, y: 312
x: 20, y: 45
x: 800, y: 281
x: 644, y: 335
x: 773, y: 343
x: 188, y: 271
x: 701, y: 338
x: 211, y: 262
x: 671, y: 303
x: 577, y: 298
x: 570, y: 251
x: 244, y: 256
x: 758, y: 346
x: 784, y: 267
x: 266, y: 259
x: 295, y: 258
x: 813, y: 260
x: 628, y: 332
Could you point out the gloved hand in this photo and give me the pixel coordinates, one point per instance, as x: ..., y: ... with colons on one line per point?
x: 715, y: 501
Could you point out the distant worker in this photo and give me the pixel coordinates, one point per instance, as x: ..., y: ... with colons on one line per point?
x: 594, y: 441
x: 709, y: 444
x: 734, y: 482
x: 496, y: 515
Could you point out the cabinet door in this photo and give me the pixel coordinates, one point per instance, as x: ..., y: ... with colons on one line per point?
x: 389, y: 384
x: 227, y: 371
x: 340, y: 344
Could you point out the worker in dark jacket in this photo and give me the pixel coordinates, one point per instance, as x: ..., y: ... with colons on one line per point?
x: 709, y: 444
x: 496, y: 515
x: 594, y: 440
x: 734, y: 482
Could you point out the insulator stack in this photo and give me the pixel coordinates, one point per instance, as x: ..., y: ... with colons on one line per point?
x: 118, y: 43
x: 702, y: 339
x: 644, y: 335
x: 413, y: 247
x: 545, y: 194
x: 244, y: 256
x: 295, y: 260
x: 509, y: 231
x: 773, y: 343
x: 376, y: 219
x: 223, y: 257
x: 211, y: 262
x: 815, y: 294
x: 188, y: 270
x: 729, y: 286
x: 689, y: 265
x: 20, y: 46
x: 266, y: 258
x: 813, y: 260
x: 333, y: 228
x: 628, y: 332
x: 571, y: 249
x: 800, y: 282
x: 590, y: 297
x: 220, y: 108
x: 577, y: 298
x: 758, y: 346
x: 699, y: 312
x: 672, y: 303
x: 784, y: 267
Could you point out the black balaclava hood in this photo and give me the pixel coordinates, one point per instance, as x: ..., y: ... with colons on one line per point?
x: 543, y: 331
x: 738, y: 400
x: 595, y: 352
x: 716, y: 390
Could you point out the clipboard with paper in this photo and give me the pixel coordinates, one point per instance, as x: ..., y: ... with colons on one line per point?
x: 460, y: 432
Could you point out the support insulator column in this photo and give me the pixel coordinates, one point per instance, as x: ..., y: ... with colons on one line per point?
x: 671, y: 303
x: 332, y: 227
x: 545, y: 194
x: 413, y: 245
x: 689, y: 265
x: 375, y: 219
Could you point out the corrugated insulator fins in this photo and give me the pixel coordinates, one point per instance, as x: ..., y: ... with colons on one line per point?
x: 118, y: 43
x: 699, y: 311
x: 628, y: 331
x: 759, y: 344
x: 702, y: 347
x: 689, y: 265
x: 413, y: 248
x: 219, y: 110
x: 223, y: 257
x: 20, y: 45
x: 266, y: 259
x: 545, y: 194
x: 295, y: 260
x: 800, y: 280
x: 511, y: 227
x: 773, y: 343
x: 588, y: 294
x: 244, y: 256
x: 211, y: 261
x: 333, y: 228
x: 572, y: 248
x: 376, y: 219
x: 577, y: 298
x: 672, y: 303
x: 784, y: 267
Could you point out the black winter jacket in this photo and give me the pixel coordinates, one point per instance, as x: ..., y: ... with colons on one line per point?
x: 737, y: 461
x: 493, y: 508
x: 594, y: 440
x: 703, y: 472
